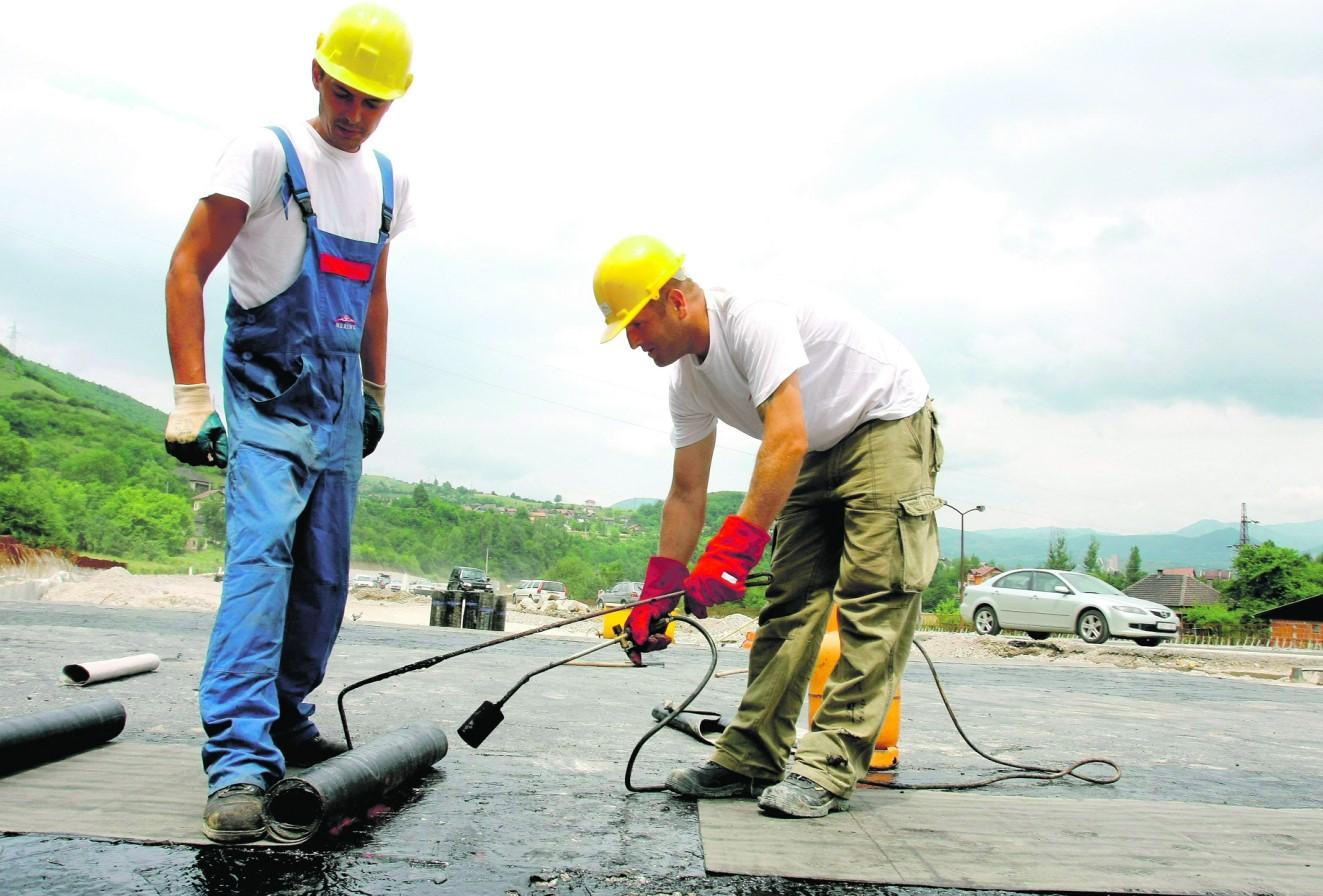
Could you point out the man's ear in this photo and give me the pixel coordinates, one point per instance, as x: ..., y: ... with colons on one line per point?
x: 317, y: 75
x: 674, y: 297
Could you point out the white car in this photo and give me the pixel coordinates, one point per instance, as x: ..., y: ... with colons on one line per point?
x: 620, y: 593
x: 1042, y: 601
x: 539, y: 591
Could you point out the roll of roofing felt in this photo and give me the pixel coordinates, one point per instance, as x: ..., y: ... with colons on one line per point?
x: 331, y: 793
x: 56, y: 733
x: 106, y: 670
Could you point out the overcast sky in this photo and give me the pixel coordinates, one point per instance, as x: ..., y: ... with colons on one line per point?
x: 1097, y: 226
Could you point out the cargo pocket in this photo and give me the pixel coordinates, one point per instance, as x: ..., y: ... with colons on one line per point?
x: 918, y: 540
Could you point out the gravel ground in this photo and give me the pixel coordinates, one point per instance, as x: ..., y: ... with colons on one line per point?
x: 541, y: 808
x: 118, y: 588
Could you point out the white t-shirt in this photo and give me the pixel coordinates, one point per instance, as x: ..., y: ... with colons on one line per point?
x: 346, y: 195
x: 850, y: 370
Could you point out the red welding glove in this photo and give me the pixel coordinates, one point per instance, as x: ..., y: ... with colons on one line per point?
x: 664, y: 576
x: 719, y: 574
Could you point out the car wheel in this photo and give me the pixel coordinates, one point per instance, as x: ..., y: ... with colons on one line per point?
x: 985, y: 621
x: 1148, y: 642
x: 1092, y: 627
x: 1038, y: 636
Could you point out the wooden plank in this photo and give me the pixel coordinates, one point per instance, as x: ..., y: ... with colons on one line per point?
x: 147, y: 793
x: 987, y: 841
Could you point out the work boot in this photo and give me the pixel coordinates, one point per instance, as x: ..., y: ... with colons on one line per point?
x: 311, y: 752
x: 234, y: 814
x: 798, y: 797
x: 711, y: 781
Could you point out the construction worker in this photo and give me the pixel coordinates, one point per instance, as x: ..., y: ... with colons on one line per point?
x: 846, y: 467
x: 305, y: 215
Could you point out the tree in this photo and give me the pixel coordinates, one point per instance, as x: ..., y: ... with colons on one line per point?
x: 1091, y: 565
x: 15, y: 453
x: 1133, y: 567
x: 28, y: 513
x: 1057, y: 555
x: 1268, y: 576
x: 556, y: 500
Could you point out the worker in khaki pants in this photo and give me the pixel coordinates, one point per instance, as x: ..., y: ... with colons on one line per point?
x: 857, y: 531
x: 847, y: 461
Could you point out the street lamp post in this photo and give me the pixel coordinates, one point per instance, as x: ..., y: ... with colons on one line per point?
x: 962, y: 513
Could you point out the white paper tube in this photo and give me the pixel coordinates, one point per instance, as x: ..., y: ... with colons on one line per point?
x: 105, y: 670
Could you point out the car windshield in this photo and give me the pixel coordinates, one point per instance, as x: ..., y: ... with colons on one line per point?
x: 467, y: 573
x: 1089, y: 585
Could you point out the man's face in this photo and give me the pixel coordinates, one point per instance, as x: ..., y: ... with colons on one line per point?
x: 345, y: 117
x: 657, y: 330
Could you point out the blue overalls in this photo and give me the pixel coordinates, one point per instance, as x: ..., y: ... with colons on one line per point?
x: 294, y: 408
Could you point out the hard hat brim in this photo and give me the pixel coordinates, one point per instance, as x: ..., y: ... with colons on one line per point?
x: 613, y: 329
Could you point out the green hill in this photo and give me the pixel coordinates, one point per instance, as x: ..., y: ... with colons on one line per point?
x: 82, y: 468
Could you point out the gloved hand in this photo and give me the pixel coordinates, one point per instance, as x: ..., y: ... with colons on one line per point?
x: 664, y: 576
x: 194, y: 433
x: 720, y: 573
x: 374, y: 415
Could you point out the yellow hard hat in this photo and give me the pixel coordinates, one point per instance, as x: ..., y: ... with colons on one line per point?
x: 368, y: 48
x: 629, y: 277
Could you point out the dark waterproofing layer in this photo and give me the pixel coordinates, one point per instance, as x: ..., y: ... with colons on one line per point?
x: 55, y: 733
x: 322, y: 797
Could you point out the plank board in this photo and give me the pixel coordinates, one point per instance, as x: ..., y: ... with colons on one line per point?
x: 987, y: 841
x: 146, y: 793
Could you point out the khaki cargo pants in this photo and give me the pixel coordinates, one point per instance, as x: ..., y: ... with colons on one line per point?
x: 860, y: 532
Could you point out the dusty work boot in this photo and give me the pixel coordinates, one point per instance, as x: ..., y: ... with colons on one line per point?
x: 711, y: 781
x: 798, y: 797
x: 311, y: 752
x: 234, y: 814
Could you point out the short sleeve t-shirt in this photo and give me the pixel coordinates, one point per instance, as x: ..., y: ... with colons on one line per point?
x: 850, y: 370
x: 346, y: 193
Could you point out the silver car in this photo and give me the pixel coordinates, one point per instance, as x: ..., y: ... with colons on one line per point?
x: 1042, y: 601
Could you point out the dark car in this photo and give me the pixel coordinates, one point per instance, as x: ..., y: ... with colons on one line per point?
x: 468, y: 578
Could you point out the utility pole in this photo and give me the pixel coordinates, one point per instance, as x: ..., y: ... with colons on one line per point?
x: 1245, y: 523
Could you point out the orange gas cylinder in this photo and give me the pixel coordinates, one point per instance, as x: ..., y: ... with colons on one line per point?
x: 886, y: 753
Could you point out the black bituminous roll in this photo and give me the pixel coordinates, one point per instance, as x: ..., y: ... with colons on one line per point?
x: 56, y: 733
x: 498, y: 617
x: 319, y: 798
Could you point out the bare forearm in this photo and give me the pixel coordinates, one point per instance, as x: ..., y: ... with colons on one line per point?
x: 374, y: 328
x: 185, y: 326
x: 374, y: 342
x: 681, y: 525
x: 774, y: 475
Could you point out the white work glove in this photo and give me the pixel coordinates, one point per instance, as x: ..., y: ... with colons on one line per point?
x: 194, y: 433
x: 374, y: 415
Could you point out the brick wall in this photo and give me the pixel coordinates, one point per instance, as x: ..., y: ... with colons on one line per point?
x: 1288, y: 632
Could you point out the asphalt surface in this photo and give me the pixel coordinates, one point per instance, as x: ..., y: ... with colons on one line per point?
x: 541, y: 807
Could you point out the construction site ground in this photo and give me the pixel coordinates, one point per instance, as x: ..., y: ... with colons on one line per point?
x: 541, y: 806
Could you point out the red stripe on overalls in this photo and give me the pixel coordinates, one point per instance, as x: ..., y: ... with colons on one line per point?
x: 353, y: 270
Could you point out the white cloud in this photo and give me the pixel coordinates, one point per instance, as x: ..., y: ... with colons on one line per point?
x: 1092, y: 223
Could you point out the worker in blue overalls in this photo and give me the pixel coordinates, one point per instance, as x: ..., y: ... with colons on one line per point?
x: 305, y: 217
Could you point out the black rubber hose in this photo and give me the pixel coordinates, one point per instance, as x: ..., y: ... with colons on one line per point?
x: 325, y: 796
x: 56, y: 733
x: 662, y: 723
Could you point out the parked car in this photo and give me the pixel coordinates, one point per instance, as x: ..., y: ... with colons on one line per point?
x: 620, y: 593
x: 541, y: 590
x: 420, y: 586
x: 1042, y: 601
x: 364, y: 581
x: 468, y: 578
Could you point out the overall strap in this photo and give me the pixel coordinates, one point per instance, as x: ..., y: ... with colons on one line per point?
x: 296, y: 185
x: 387, y: 193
